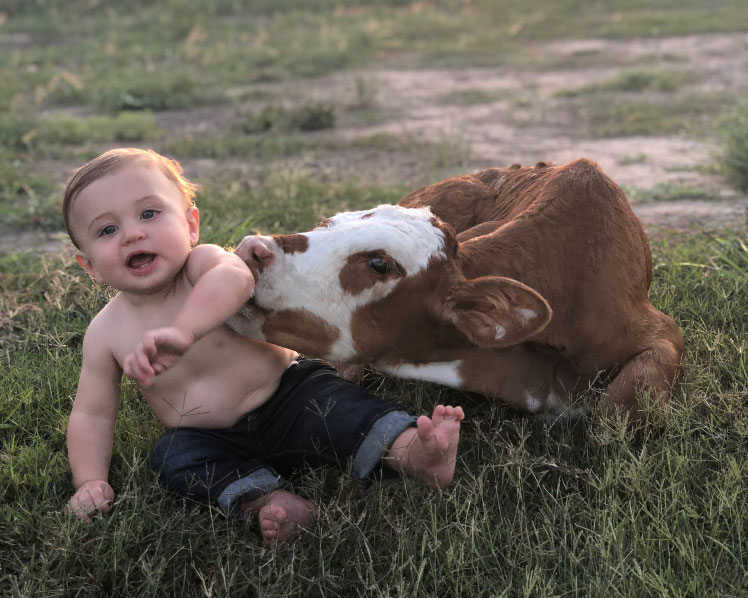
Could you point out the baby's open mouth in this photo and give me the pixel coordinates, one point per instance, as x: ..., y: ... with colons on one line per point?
x: 140, y: 260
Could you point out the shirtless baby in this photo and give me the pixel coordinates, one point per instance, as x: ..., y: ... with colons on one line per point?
x: 238, y: 412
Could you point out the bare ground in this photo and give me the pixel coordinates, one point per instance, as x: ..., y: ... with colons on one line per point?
x: 522, y: 118
x: 528, y: 121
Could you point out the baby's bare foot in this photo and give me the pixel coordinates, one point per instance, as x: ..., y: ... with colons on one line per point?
x: 430, y: 451
x: 281, y: 515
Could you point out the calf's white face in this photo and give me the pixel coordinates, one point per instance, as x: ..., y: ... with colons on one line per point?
x: 380, y: 286
x: 314, y: 282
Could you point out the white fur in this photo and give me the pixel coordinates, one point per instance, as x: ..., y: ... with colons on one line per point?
x: 405, y: 234
x: 246, y: 323
x: 525, y: 314
x: 441, y: 372
x: 532, y: 403
x: 553, y: 407
x: 558, y: 410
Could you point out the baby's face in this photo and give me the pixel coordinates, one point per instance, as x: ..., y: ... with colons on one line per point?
x: 134, y: 228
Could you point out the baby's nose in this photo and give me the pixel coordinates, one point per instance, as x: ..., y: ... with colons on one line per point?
x: 133, y: 233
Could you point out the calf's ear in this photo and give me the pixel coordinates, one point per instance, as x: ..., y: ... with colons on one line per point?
x: 493, y: 311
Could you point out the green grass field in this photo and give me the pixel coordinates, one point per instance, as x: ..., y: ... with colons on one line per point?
x: 568, y: 509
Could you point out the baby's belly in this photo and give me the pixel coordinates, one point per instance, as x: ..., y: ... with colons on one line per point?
x: 215, y: 385
x: 212, y: 406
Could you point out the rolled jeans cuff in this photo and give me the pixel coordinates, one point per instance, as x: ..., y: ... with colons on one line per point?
x: 375, y: 446
x: 250, y: 487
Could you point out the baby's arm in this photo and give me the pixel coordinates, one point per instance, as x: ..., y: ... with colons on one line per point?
x: 222, y: 284
x: 91, y: 425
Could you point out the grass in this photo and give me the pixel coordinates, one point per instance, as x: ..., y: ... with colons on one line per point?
x: 308, y: 117
x: 279, y: 202
x: 636, y: 80
x: 535, y: 510
x: 105, y: 54
x: 28, y: 199
x: 735, y: 135
x: 670, y: 192
x: 65, y: 129
x: 580, y: 509
x: 689, y: 114
x: 471, y: 97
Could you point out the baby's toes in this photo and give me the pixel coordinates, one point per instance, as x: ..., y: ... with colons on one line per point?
x: 425, y: 428
x: 271, y: 518
x: 440, y: 412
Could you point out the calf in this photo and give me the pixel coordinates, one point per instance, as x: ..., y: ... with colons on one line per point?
x: 525, y: 284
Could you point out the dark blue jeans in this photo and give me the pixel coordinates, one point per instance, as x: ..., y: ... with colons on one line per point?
x: 314, y: 418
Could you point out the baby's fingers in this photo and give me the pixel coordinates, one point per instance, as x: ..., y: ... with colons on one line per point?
x: 149, y: 348
x: 101, y: 504
x: 131, y: 367
x: 79, y: 509
x: 128, y: 366
x: 144, y: 363
x: 89, y: 503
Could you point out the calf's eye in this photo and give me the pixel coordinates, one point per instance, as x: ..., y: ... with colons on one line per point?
x: 379, y: 266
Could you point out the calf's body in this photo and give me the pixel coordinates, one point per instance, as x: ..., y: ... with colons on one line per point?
x: 524, y: 284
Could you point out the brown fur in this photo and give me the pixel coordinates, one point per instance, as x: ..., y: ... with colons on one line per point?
x: 355, y: 276
x: 300, y: 330
x: 552, y: 254
x: 569, y: 233
x: 292, y: 243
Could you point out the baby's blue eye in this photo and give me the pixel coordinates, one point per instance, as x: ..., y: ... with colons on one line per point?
x: 148, y: 214
x: 107, y: 230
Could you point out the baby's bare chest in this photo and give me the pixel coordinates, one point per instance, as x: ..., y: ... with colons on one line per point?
x: 129, y: 326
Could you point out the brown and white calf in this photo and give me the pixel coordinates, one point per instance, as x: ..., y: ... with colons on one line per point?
x: 525, y: 284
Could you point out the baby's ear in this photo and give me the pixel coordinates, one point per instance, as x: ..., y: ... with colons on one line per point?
x: 193, y: 222
x: 88, y: 266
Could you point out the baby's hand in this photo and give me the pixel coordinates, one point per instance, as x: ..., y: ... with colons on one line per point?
x: 159, y: 350
x: 92, y: 498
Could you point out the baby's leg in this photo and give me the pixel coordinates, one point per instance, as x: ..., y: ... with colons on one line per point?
x: 280, y: 514
x: 429, y: 451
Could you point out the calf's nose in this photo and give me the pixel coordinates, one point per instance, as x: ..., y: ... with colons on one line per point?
x: 255, y: 252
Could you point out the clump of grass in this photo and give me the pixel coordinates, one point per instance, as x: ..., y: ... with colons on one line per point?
x: 28, y: 198
x: 639, y: 158
x: 14, y: 131
x: 307, y: 117
x: 670, y: 192
x: 313, y: 117
x: 29, y: 133
x: 635, y: 80
x: 142, y: 90
x: 66, y: 129
x: 624, y: 117
x: 227, y: 145
x: 472, y: 97
x: 735, y: 139
x: 367, y: 89
x: 647, y: 80
x: 451, y: 148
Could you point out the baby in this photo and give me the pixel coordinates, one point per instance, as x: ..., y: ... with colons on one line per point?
x: 238, y: 411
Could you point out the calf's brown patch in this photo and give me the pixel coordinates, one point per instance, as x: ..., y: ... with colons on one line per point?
x: 301, y: 330
x: 297, y: 243
x: 356, y: 275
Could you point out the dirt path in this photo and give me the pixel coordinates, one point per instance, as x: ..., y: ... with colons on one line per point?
x: 523, y: 118
x: 520, y: 118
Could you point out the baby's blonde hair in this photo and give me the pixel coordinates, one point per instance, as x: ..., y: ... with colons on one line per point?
x: 109, y: 162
